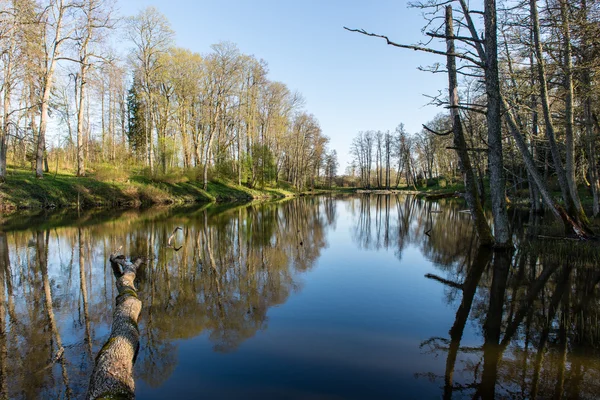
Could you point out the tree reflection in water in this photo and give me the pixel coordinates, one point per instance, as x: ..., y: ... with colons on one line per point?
x: 234, y: 264
x: 534, y: 313
x: 536, y: 308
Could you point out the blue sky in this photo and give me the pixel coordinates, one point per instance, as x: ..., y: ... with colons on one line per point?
x: 350, y: 82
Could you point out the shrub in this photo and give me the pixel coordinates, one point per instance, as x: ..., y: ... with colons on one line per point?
x: 110, y: 173
x: 194, y: 174
x: 171, y: 177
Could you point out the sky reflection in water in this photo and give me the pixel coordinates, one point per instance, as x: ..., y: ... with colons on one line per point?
x: 314, y: 297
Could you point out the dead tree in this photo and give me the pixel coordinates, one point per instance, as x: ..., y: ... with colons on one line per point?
x: 113, y: 372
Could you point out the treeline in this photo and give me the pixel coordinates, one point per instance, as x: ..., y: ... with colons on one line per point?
x: 391, y: 159
x: 523, y: 101
x: 165, y: 108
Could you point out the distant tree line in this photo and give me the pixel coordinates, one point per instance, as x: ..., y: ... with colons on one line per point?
x: 388, y: 160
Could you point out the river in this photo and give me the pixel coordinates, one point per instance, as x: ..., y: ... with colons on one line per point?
x: 344, y: 297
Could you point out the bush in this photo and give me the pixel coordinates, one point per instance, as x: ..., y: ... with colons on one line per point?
x: 194, y: 174
x: 110, y: 173
x: 172, y: 177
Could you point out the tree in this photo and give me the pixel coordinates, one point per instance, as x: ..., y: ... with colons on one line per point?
x: 8, y: 37
x: 152, y: 37
x: 331, y: 166
x: 56, y: 30
x: 502, y: 234
x: 95, y: 19
x: 471, y: 195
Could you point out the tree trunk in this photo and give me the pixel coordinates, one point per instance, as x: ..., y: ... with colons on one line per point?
x: 569, y: 140
x: 112, y: 376
x: 48, y: 80
x: 80, y: 116
x: 590, y: 137
x: 211, y: 136
x: 41, y: 139
x: 570, y: 224
x: 8, y: 85
x: 492, y: 85
x: 534, y: 193
x: 550, y: 134
x: 471, y: 196
x: 5, y: 128
x: 149, y: 135
x: 591, y: 152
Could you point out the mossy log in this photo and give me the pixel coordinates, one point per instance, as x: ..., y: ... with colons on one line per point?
x: 112, y: 377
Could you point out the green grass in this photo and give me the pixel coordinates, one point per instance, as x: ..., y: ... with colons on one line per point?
x: 23, y: 191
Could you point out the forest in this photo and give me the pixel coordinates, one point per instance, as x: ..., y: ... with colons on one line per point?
x: 142, y: 105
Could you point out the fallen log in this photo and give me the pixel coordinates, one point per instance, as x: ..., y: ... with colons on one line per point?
x: 112, y: 376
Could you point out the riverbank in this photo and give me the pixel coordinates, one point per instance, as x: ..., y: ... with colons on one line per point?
x: 430, y: 192
x: 23, y: 191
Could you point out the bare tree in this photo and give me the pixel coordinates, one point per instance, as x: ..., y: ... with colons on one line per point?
x: 56, y: 30
x: 96, y: 17
x: 152, y: 37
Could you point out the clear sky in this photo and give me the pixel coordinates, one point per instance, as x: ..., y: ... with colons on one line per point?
x: 350, y: 82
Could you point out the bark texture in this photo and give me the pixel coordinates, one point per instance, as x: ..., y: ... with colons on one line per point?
x: 471, y: 194
x: 113, y: 372
x: 496, y: 165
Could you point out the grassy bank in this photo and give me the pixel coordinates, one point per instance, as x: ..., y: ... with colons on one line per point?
x: 23, y: 191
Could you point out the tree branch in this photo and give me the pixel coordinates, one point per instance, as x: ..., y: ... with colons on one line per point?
x: 416, y: 48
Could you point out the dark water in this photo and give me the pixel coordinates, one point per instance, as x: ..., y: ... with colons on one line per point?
x: 311, y: 298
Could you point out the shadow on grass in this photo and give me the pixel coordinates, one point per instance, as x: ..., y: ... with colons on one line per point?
x: 23, y: 190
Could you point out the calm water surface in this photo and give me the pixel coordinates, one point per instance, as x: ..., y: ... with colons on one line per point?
x: 310, y: 298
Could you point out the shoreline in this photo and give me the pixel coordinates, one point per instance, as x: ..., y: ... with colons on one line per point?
x: 22, y: 192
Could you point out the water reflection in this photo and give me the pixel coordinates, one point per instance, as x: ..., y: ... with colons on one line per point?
x: 536, y: 314
x: 231, y: 268
x: 519, y: 325
x: 441, y: 229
